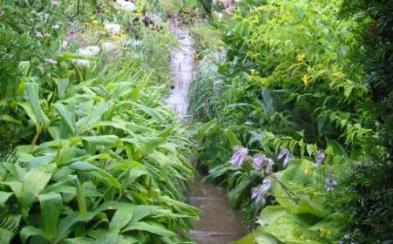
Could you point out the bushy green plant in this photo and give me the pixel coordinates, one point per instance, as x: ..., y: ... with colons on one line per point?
x: 292, y: 80
x: 97, y: 157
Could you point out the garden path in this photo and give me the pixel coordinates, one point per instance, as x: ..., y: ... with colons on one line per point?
x: 219, y: 223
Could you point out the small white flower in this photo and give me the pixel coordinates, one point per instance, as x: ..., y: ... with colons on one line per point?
x: 39, y: 34
x: 112, y: 28
x: 55, y: 2
x: 55, y: 26
x: 82, y: 62
x: 89, y: 51
x: 64, y: 44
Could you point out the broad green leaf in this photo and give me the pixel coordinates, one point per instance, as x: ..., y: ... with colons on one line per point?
x: 101, y: 140
x: 33, y: 183
x: 35, y: 111
x: 151, y: 227
x: 24, y: 67
x: 78, y: 240
x: 93, y: 117
x: 152, y: 112
x: 67, y: 116
x: 121, y: 218
x: 267, y: 101
x: 30, y: 231
x: 4, y: 196
x: 6, y: 236
x: 62, y: 85
x: 51, y: 205
x: 81, y: 199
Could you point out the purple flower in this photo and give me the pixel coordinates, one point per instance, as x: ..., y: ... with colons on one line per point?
x: 285, y: 155
x: 238, y: 156
x: 257, y: 161
x: 259, y: 193
x: 320, y: 157
x: 330, y: 183
x: 260, y: 161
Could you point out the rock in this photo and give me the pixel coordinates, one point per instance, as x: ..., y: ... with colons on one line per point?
x: 89, y: 51
x: 127, y: 6
x: 155, y: 17
x: 108, y: 46
x: 112, y: 28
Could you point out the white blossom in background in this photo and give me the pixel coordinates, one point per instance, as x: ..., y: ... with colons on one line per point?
x: 64, y: 44
x: 133, y: 43
x: 50, y: 61
x: 82, y: 62
x: 112, y: 28
x: 126, y: 5
x: 108, y: 46
x: 41, y: 15
x: 55, y: 2
x: 39, y: 34
x: 56, y: 26
x: 89, y: 51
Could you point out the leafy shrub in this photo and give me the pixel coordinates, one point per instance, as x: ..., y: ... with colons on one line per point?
x: 97, y: 157
x: 292, y: 80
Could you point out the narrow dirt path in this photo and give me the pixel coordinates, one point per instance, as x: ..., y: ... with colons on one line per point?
x: 218, y: 223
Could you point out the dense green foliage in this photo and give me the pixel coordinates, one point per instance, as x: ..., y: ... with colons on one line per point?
x: 294, y: 78
x: 95, y: 156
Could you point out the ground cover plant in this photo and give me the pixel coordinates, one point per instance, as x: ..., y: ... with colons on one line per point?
x: 89, y: 153
x: 292, y: 124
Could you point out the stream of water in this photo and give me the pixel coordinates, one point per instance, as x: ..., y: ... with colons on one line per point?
x: 219, y: 223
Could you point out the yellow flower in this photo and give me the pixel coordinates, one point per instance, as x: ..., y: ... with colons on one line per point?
x: 308, y: 169
x: 119, y: 37
x: 95, y: 22
x: 306, y: 80
x: 300, y: 58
